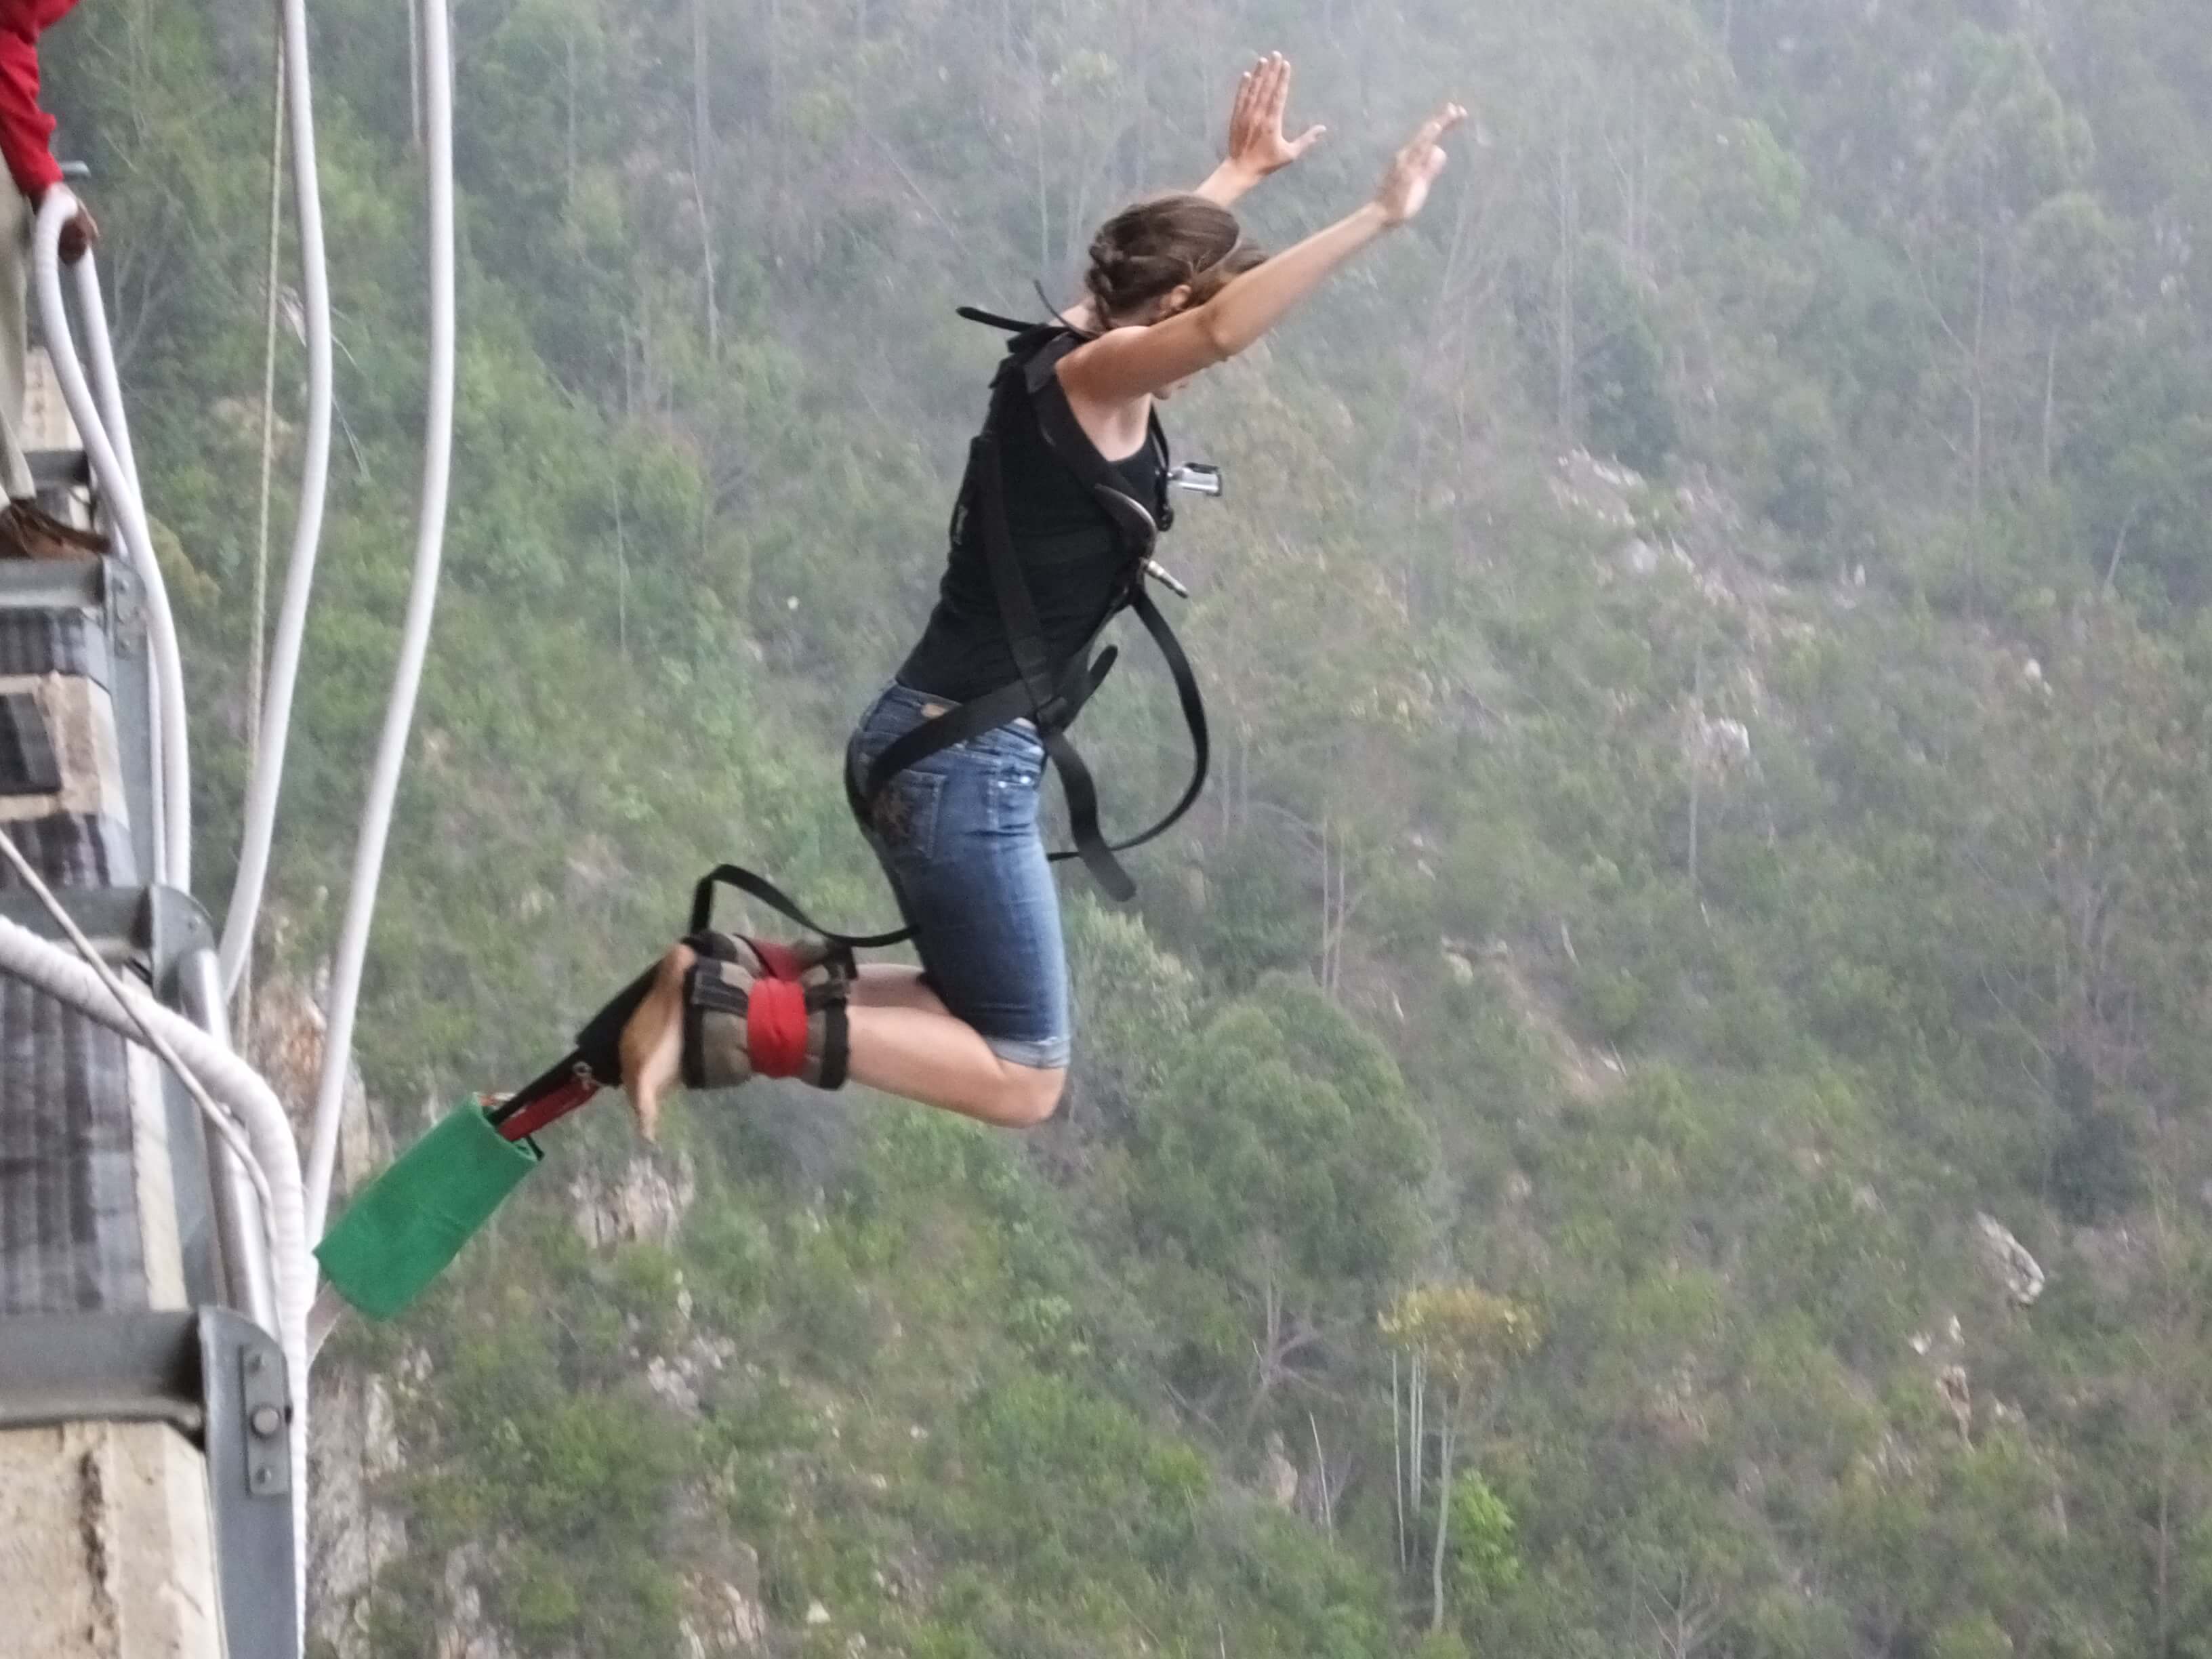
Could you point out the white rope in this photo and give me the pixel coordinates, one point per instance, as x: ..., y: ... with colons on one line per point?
x: 220, y: 1119
x: 257, y: 659
x: 421, y: 598
x: 172, y: 837
x: 133, y: 1014
x: 268, y: 777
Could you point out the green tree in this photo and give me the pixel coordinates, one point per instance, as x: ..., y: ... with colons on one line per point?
x: 1463, y: 1339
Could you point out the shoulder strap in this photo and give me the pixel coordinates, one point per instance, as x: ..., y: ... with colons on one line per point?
x: 992, y: 319
x: 1051, y: 699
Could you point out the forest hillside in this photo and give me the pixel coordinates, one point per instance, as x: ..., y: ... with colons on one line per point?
x: 1659, y: 1106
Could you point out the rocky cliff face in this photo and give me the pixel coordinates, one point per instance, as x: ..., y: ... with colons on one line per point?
x: 355, y: 1531
x: 358, y: 1452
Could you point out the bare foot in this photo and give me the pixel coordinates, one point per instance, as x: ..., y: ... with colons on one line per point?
x: 652, y: 1041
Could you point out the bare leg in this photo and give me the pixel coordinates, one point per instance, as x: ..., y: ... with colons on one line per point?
x: 904, y: 1042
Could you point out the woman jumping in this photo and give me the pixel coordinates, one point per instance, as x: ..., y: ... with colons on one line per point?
x: 982, y: 1026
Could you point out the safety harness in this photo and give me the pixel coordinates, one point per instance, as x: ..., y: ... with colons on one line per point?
x: 774, y: 1005
x: 1051, y: 695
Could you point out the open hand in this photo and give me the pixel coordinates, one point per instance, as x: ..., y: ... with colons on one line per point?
x: 1405, y: 187
x: 1256, y: 143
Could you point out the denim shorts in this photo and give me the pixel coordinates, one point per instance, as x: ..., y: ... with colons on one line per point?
x: 957, y: 836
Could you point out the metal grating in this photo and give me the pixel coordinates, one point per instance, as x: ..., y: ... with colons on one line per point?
x: 69, y: 1239
x: 73, y: 850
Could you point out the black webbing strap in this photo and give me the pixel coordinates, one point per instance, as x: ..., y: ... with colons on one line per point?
x: 1051, y: 702
x: 1193, y: 717
x: 760, y: 888
x: 988, y: 712
x: 992, y: 319
x: 1017, y: 608
x: 1065, y: 436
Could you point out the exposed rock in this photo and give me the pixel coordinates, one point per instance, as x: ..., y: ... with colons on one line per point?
x: 1950, y: 1337
x: 1865, y: 1199
x: 1643, y: 559
x: 284, y: 1042
x: 1281, y: 1474
x: 726, y: 1616
x: 680, y: 1379
x: 465, y: 1632
x: 1892, y: 1459
x: 1722, y: 746
x: 1462, y: 970
x: 1675, y: 1409
x: 644, y: 1203
x: 1519, y: 1188
x: 1600, y: 489
x: 2008, y: 1260
x: 354, y: 1446
x: 671, y: 1386
x: 1958, y: 1398
x: 817, y: 1614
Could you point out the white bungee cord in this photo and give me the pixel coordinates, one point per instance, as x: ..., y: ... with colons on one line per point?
x: 267, y: 778
x: 173, y: 813
x: 421, y: 600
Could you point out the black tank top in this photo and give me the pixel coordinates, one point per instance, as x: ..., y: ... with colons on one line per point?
x: 1075, y: 563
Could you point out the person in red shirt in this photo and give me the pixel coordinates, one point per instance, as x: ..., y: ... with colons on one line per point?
x: 26, y: 144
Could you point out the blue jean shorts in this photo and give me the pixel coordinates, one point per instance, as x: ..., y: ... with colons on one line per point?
x: 957, y: 836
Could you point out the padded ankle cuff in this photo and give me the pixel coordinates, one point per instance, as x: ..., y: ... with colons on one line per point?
x: 740, y: 1023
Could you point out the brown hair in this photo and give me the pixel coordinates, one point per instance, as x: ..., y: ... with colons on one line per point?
x: 1152, y: 247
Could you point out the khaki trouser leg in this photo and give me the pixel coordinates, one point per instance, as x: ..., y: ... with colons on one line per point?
x: 16, y: 220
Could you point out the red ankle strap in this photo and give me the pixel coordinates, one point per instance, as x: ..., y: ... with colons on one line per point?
x: 776, y: 1027
x: 781, y: 960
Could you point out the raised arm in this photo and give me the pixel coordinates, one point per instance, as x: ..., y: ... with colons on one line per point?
x: 1256, y: 149
x: 1128, y: 363
x: 1256, y: 144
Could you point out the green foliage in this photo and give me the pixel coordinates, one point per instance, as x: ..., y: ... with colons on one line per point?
x: 1895, y: 309
x: 1485, y: 1564
x: 1622, y: 374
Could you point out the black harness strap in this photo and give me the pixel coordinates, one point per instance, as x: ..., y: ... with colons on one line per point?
x: 1049, y: 698
x: 760, y: 887
x: 1052, y: 699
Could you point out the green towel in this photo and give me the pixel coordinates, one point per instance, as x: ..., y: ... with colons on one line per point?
x: 403, y: 1229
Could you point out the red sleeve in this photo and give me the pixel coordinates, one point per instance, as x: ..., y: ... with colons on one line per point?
x: 26, y: 130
